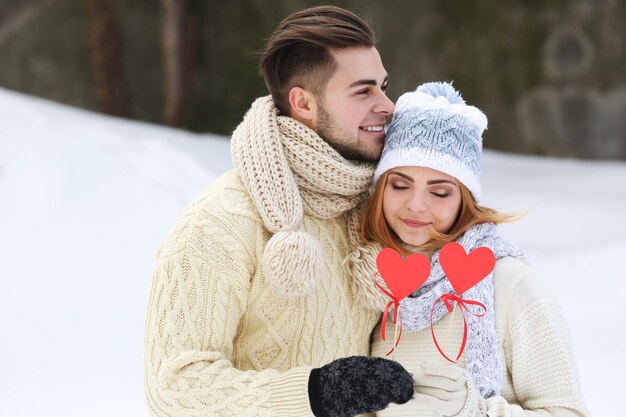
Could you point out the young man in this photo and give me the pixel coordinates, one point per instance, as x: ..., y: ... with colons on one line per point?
x: 251, y: 311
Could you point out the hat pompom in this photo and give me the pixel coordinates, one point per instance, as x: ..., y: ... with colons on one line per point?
x: 361, y: 266
x: 433, y: 127
x: 439, y: 89
x: 293, y: 263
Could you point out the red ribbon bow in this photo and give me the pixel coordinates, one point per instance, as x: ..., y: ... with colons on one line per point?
x: 448, y: 299
x: 396, y: 315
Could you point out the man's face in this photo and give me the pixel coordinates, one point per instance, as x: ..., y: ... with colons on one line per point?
x: 354, y: 108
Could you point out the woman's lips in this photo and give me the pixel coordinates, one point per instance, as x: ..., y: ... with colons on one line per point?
x: 414, y: 223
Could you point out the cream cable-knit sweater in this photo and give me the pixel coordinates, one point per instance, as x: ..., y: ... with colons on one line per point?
x: 218, y: 343
x: 541, y: 376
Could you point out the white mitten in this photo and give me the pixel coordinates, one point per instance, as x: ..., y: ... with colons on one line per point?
x: 447, y: 390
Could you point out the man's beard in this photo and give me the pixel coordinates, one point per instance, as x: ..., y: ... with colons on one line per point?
x: 349, y: 148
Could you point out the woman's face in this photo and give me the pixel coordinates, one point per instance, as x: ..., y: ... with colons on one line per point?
x: 417, y: 198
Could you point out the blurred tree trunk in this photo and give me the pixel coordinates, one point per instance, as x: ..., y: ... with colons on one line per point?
x: 105, y: 55
x: 177, y: 47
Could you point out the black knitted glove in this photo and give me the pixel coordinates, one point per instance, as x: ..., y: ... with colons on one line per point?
x: 357, y: 385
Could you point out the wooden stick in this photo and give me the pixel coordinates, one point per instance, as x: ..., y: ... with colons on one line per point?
x: 395, y: 336
x: 445, y: 343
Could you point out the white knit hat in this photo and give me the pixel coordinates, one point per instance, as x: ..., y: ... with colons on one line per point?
x: 433, y: 127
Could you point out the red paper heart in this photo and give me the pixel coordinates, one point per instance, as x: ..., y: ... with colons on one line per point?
x: 465, y: 270
x: 402, y: 276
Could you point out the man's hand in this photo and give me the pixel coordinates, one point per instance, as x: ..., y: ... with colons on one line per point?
x: 356, y: 385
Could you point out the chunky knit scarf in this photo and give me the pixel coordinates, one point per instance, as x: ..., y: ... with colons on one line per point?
x: 288, y: 170
x: 482, y: 352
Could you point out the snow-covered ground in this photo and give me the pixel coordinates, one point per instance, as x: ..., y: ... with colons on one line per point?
x: 86, y: 199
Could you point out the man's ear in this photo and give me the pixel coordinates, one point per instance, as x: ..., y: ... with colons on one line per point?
x: 303, y: 106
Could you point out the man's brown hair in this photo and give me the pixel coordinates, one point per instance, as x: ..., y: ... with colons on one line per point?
x: 297, y: 53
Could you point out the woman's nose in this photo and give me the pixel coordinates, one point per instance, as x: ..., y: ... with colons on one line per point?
x: 416, y: 203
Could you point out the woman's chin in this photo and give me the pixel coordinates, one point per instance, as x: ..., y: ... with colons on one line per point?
x: 413, y: 240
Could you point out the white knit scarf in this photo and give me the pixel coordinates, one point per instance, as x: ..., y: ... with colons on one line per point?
x: 288, y: 170
x: 484, y: 361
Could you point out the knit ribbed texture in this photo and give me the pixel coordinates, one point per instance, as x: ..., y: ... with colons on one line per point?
x: 433, y: 127
x: 483, y: 358
x: 361, y: 266
x: 218, y: 342
x: 287, y: 387
x: 540, y: 373
x: 289, y: 170
x: 483, y: 361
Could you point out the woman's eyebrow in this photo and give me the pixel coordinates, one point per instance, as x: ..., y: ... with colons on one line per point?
x: 430, y: 182
x: 406, y: 177
x: 433, y: 182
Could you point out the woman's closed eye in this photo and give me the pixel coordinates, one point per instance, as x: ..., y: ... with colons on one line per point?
x: 441, y: 192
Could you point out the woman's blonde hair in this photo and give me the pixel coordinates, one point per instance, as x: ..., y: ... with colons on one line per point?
x: 374, y: 227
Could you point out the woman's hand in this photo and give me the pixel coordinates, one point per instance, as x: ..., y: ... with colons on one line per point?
x: 447, y: 390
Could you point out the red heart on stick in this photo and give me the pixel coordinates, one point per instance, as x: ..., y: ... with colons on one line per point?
x: 465, y: 270
x: 402, y: 276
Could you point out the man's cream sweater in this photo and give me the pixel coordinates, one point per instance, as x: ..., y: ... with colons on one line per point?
x: 218, y: 343
x: 541, y: 378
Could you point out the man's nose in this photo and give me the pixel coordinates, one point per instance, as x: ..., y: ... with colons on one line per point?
x: 385, y: 106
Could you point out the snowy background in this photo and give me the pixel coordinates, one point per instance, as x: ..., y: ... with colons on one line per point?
x: 86, y: 199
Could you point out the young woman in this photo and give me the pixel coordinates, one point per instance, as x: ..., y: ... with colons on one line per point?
x: 518, y: 359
